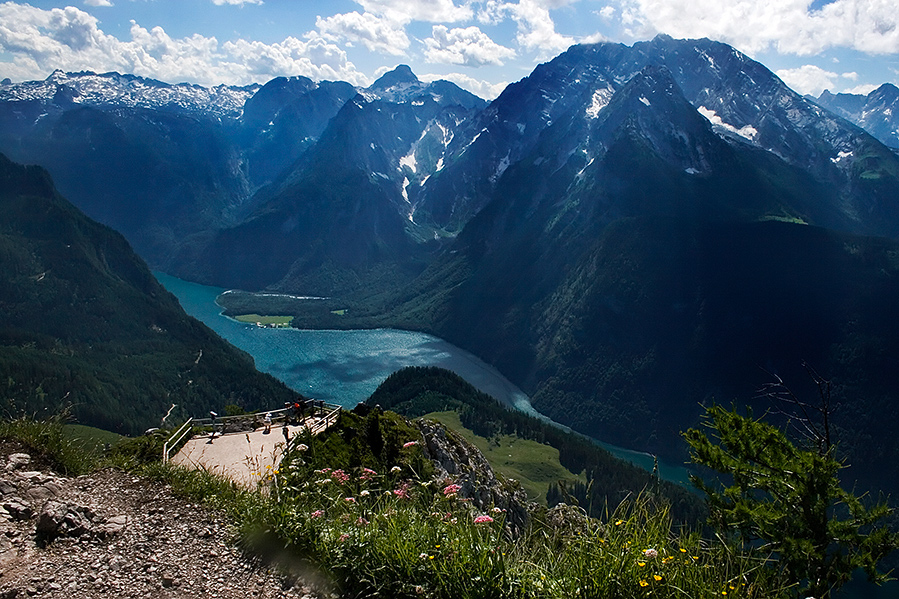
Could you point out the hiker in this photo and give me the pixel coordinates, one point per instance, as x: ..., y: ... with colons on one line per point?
x: 268, y: 423
x: 286, y: 434
x: 299, y: 406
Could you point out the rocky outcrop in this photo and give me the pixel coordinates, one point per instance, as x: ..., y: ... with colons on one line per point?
x: 459, y: 462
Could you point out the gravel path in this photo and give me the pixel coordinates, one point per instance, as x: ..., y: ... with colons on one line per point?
x: 109, y: 534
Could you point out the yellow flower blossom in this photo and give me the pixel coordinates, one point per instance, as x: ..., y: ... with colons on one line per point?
x: 643, y: 583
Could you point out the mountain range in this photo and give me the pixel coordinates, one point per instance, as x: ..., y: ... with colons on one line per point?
x: 625, y: 233
x: 877, y: 113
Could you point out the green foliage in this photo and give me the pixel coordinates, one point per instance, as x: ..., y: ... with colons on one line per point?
x: 789, y: 500
x: 416, y: 391
x: 49, y: 438
x: 85, y: 324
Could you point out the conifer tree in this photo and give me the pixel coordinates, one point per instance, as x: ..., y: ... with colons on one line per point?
x: 788, y: 501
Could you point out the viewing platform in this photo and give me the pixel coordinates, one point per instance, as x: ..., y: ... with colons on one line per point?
x: 240, y: 447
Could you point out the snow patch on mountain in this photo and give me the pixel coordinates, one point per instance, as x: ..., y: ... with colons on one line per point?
x: 408, y: 161
x: 747, y: 131
x: 599, y: 101
x: 840, y: 156
x: 130, y: 91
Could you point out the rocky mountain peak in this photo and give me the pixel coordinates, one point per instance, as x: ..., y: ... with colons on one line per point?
x: 401, y: 76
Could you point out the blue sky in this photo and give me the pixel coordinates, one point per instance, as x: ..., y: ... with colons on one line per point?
x: 841, y: 45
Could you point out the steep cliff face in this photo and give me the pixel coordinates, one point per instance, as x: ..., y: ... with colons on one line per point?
x: 459, y: 461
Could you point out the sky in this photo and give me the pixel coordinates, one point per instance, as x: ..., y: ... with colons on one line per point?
x: 849, y: 46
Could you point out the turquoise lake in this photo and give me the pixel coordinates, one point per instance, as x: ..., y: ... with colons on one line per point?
x: 345, y: 367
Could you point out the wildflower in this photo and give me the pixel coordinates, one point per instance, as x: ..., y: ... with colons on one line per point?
x: 365, y: 493
x: 619, y: 522
x: 350, y: 499
x: 682, y: 550
x: 483, y: 520
x: 402, y: 492
x: 450, y: 489
x: 643, y: 583
x: 497, y: 510
x: 650, y: 554
x: 317, y: 514
x: 323, y: 481
x: 423, y: 555
x: 641, y: 564
x: 340, y: 476
x: 395, y: 469
x: 419, y: 590
x: 302, y: 447
x: 360, y: 521
x: 668, y: 559
x: 410, y: 444
x: 343, y: 537
x: 657, y: 578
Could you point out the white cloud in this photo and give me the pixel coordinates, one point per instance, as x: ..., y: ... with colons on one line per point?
x: 536, y: 29
x: 809, y: 79
x: 788, y: 26
x: 469, y: 46
x: 235, y: 2
x: 379, y: 34
x: 862, y: 90
x: 606, y: 12
x: 404, y: 11
x: 98, y: 2
x: 40, y: 41
x: 479, y: 87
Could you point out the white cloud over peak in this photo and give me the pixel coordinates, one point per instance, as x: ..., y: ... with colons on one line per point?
x: 469, y: 46
x: 536, y: 29
x: 40, y: 41
x: 810, y: 79
x: 379, y: 34
x: 482, y: 89
x: 787, y: 26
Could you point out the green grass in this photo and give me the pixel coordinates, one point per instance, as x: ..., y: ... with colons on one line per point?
x: 92, y: 439
x: 265, y: 320
x: 389, y: 533
x: 532, y: 464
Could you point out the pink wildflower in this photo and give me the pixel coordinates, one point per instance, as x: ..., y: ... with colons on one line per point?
x: 360, y: 521
x: 340, y: 476
x: 317, y: 514
x: 483, y: 520
x: 410, y: 444
x: 350, y: 499
x: 450, y: 489
x: 343, y: 537
x: 650, y: 554
x: 402, y: 492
